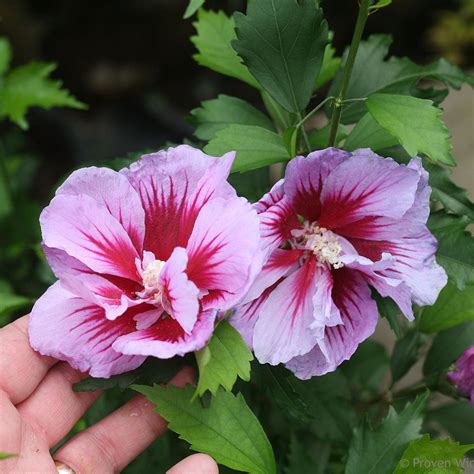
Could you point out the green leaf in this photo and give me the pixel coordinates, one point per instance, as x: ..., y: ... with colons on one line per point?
x: 5, y: 55
x: 388, y: 309
x: 282, y: 387
x: 395, y: 76
x: 255, y: 146
x: 318, y: 139
x: 442, y: 456
x: 215, y: 31
x: 455, y: 247
x: 225, y: 358
x: 405, y: 354
x: 366, y: 369
x: 281, y: 117
x: 290, y: 139
x: 452, y: 307
x: 415, y: 123
x: 10, y: 302
x: 153, y: 370
x: 7, y: 455
x: 447, y: 346
x: 456, y: 418
x: 451, y: 196
x: 380, y: 4
x: 216, y: 114
x: 377, y: 451
x: 29, y: 86
x: 227, y: 430
x: 330, y: 66
x: 301, y: 461
x: 282, y: 43
x: 192, y: 8
x: 251, y: 184
x: 369, y: 134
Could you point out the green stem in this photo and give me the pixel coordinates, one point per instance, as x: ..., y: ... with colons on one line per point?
x: 312, y: 112
x: 346, y: 75
x: 303, y: 133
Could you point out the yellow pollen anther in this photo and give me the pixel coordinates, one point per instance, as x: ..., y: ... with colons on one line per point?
x: 150, y: 278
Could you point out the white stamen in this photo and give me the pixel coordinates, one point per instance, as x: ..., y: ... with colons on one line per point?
x: 150, y: 278
x: 322, y: 242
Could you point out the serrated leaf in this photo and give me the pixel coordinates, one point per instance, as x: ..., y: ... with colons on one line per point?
x: 395, y: 75
x: 192, y: 8
x: 216, y: 114
x: 225, y: 358
x: 447, y: 346
x: 255, y: 146
x: 442, y: 456
x: 452, y: 307
x: 405, y: 354
x: 282, y: 386
x: 377, y: 451
x: 227, y: 430
x: 282, y: 43
x: 451, y: 196
x: 30, y: 85
x: 152, y: 371
x: 455, y: 247
x: 215, y: 31
x: 5, y: 55
x: 369, y: 134
x: 416, y: 124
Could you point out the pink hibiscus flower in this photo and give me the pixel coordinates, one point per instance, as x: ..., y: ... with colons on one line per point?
x: 463, y: 374
x: 145, y: 258
x: 337, y: 224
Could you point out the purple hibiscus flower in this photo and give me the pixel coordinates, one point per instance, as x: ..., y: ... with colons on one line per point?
x: 463, y: 375
x: 337, y: 224
x: 145, y: 258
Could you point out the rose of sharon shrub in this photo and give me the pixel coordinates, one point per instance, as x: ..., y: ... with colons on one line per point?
x: 145, y: 258
x: 337, y: 224
x: 463, y: 375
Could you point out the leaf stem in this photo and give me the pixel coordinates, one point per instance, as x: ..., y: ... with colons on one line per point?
x: 312, y: 112
x: 303, y: 131
x: 346, y: 75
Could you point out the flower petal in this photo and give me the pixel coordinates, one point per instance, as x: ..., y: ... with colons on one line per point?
x: 366, y: 185
x: 304, y: 179
x: 359, y: 315
x: 113, y: 190
x: 180, y: 295
x: 173, y: 186
x: 282, y: 330
x: 166, y: 338
x: 69, y: 328
x: 224, y: 252
x: 86, y: 231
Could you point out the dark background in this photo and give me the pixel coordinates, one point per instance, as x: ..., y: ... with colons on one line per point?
x: 131, y: 62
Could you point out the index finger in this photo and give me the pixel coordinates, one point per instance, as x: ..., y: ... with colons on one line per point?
x: 21, y: 368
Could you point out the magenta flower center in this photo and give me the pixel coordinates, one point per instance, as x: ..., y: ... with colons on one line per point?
x: 320, y: 241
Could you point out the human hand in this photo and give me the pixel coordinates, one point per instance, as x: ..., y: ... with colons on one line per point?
x: 38, y: 408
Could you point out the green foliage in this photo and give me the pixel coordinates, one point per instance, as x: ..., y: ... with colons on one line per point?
x: 318, y: 138
x: 216, y: 114
x: 389, y: 309
x: 192, y: 8
x: 415, y: 123
x: 330, y: 66
x: 405, y: 354
x: 380, y: 4
x: 152, y: 371
x: 300, y: 460
x: 423, y: 455
x: 10, y: 302
x: 283, y: 44
x: 225, y: 358
x: 5, y: 55
x: 392, y: 76
x: 7, y: 455
x: 451, y: 196
x: 368, y: 133
x: 28, y: 86
x: 215, y: 31
x: 447, y: 346
x: 456, y: 247
x: 452, y: 307
x: 377, y: 451
x: 255, y: 146
x: 227, y: 429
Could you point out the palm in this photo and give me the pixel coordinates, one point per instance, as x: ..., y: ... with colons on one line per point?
x: 38, y: 408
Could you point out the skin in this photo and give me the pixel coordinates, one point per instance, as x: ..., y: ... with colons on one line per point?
x: 38, y: 408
